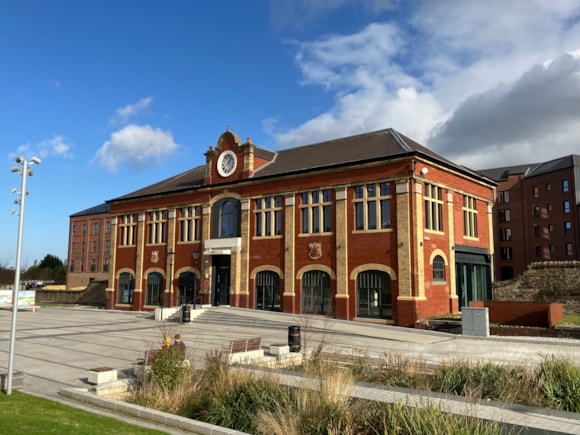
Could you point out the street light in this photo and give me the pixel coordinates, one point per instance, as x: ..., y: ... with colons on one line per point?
x: 25, y: 171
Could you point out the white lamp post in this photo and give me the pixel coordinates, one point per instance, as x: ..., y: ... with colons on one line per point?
x: 24, y: 171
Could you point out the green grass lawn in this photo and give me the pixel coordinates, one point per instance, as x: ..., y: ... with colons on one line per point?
x: 570, y: 319
x: 25, y: 414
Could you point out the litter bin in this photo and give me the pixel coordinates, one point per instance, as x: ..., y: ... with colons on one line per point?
x: 186, y: 314
x: 294, y: 338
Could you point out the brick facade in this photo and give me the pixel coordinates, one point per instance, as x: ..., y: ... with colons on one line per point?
x: 316, y: 185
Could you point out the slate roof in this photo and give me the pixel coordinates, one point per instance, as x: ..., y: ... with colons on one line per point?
x: 101, y: 208
x: 347, y: 151
x: 532, y: 169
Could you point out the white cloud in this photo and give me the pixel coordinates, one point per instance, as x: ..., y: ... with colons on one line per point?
x: 123, y: 114
x: 56, y: 146
x: 471, y: 79
x: 135, y: 145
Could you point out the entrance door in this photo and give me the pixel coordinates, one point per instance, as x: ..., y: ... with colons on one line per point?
x: 221, y: 280
x: 186, y: 288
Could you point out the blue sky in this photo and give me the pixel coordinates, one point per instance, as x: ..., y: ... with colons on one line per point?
x: 117, y: 95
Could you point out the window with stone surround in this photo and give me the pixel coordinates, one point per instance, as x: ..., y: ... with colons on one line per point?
x: 372, y: 205
x: 156, y: 226
x: 190, y: 223
x: 315, y: 211
x: 268, y: 213
x: 469, y: 217
x: 433, y: 207
x: 128, y: 229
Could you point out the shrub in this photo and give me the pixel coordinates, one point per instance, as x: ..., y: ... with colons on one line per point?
x: 560, y: 383
x: 169, y: 368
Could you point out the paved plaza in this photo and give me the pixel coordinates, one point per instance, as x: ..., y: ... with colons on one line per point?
x: 56, y: 347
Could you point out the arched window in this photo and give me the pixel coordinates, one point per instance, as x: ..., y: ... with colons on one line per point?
x: 438, y: 268
x: 154, y: 289
x: 125, y: 289
x: 316, y: 298
x: 374, y: 298
x: 226, y: 218
x: 268, y: 291
x: 187, y: 290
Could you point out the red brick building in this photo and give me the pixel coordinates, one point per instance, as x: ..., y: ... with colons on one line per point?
x: 89, y: 246
x: 373, y: 226
x: 537, y: 214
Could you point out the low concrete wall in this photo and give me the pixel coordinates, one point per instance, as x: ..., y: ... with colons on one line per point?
x: 522, y: 313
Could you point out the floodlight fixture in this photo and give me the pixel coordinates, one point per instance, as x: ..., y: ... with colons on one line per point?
x: 36, y: 160
x: 15, y: 169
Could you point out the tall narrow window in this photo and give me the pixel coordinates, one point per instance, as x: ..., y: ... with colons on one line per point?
x: 372, y: 205
x: 505, y: 215
x: 96, y: 228
x: 268, y: 213
x: 127, y: 229
x: 157, y: 226
x: 469, y: 216
x: 189, y: 223
x: 503, y: 196
x: 505, y: 234
x: 315, y: 211
x: 125, y: 290
x: 154, y: 289
x: 566, y: 206
x: 438, y: 268
x: 433, y: 208
x: 565, y: 186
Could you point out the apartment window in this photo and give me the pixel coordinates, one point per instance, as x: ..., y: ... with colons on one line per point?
x: 190, y: 223
x: 128, y: 229
x: 94, y: 246
x: 549, y: 206
x: 433, y: 208
x: 550, y: 228
x: 469, y: 216
x: 536, y: 210
x: 108, y: 230
x: 96, y: 228
x: 505, y: 215
x: 73, y: 247
x: 567, y: 227
x: 505, y: 234
x: 537, y: 230
x: 506, y: 253
x: 74, y: 230
x: 503, y: 196
x: 438, y: 268
x: 315, y: 210
x: 552, y: 249
x: 268, y: 216
x: 538, y: 251
x: 106, y: 265
x: 569, y: 249
x: 535, y: 191
x: 157, y: 226
x: 372, y: 206
x: 93, y: 265
x: 565, y: 186
x: 84, y: 229
x: 566, y: 205
x: 83, y: 247
x: 548, y: 187
x: 107, y: 245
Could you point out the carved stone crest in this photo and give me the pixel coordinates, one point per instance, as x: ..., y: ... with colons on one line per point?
x: 154, y: 257
x: 314, y: 250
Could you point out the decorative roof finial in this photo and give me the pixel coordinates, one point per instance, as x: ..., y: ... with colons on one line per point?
x: 228, y: 128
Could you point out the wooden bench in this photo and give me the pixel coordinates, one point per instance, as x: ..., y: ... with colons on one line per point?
x: 245, y: 345
x: 245, y: 350
x: 151, y: 355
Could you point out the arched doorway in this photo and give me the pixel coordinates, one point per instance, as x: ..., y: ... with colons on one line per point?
x: 374, y: 297
x: 268, y: 291
x: 187, y: 288
x: 316, y: 297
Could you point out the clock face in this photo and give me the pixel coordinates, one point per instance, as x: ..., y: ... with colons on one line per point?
x: 226, y: 163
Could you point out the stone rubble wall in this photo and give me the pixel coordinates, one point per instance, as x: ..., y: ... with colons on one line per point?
x: 548, y: 281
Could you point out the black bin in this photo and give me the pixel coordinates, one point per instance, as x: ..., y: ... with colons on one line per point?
x: 186, y: 314
x: 294, y: 338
